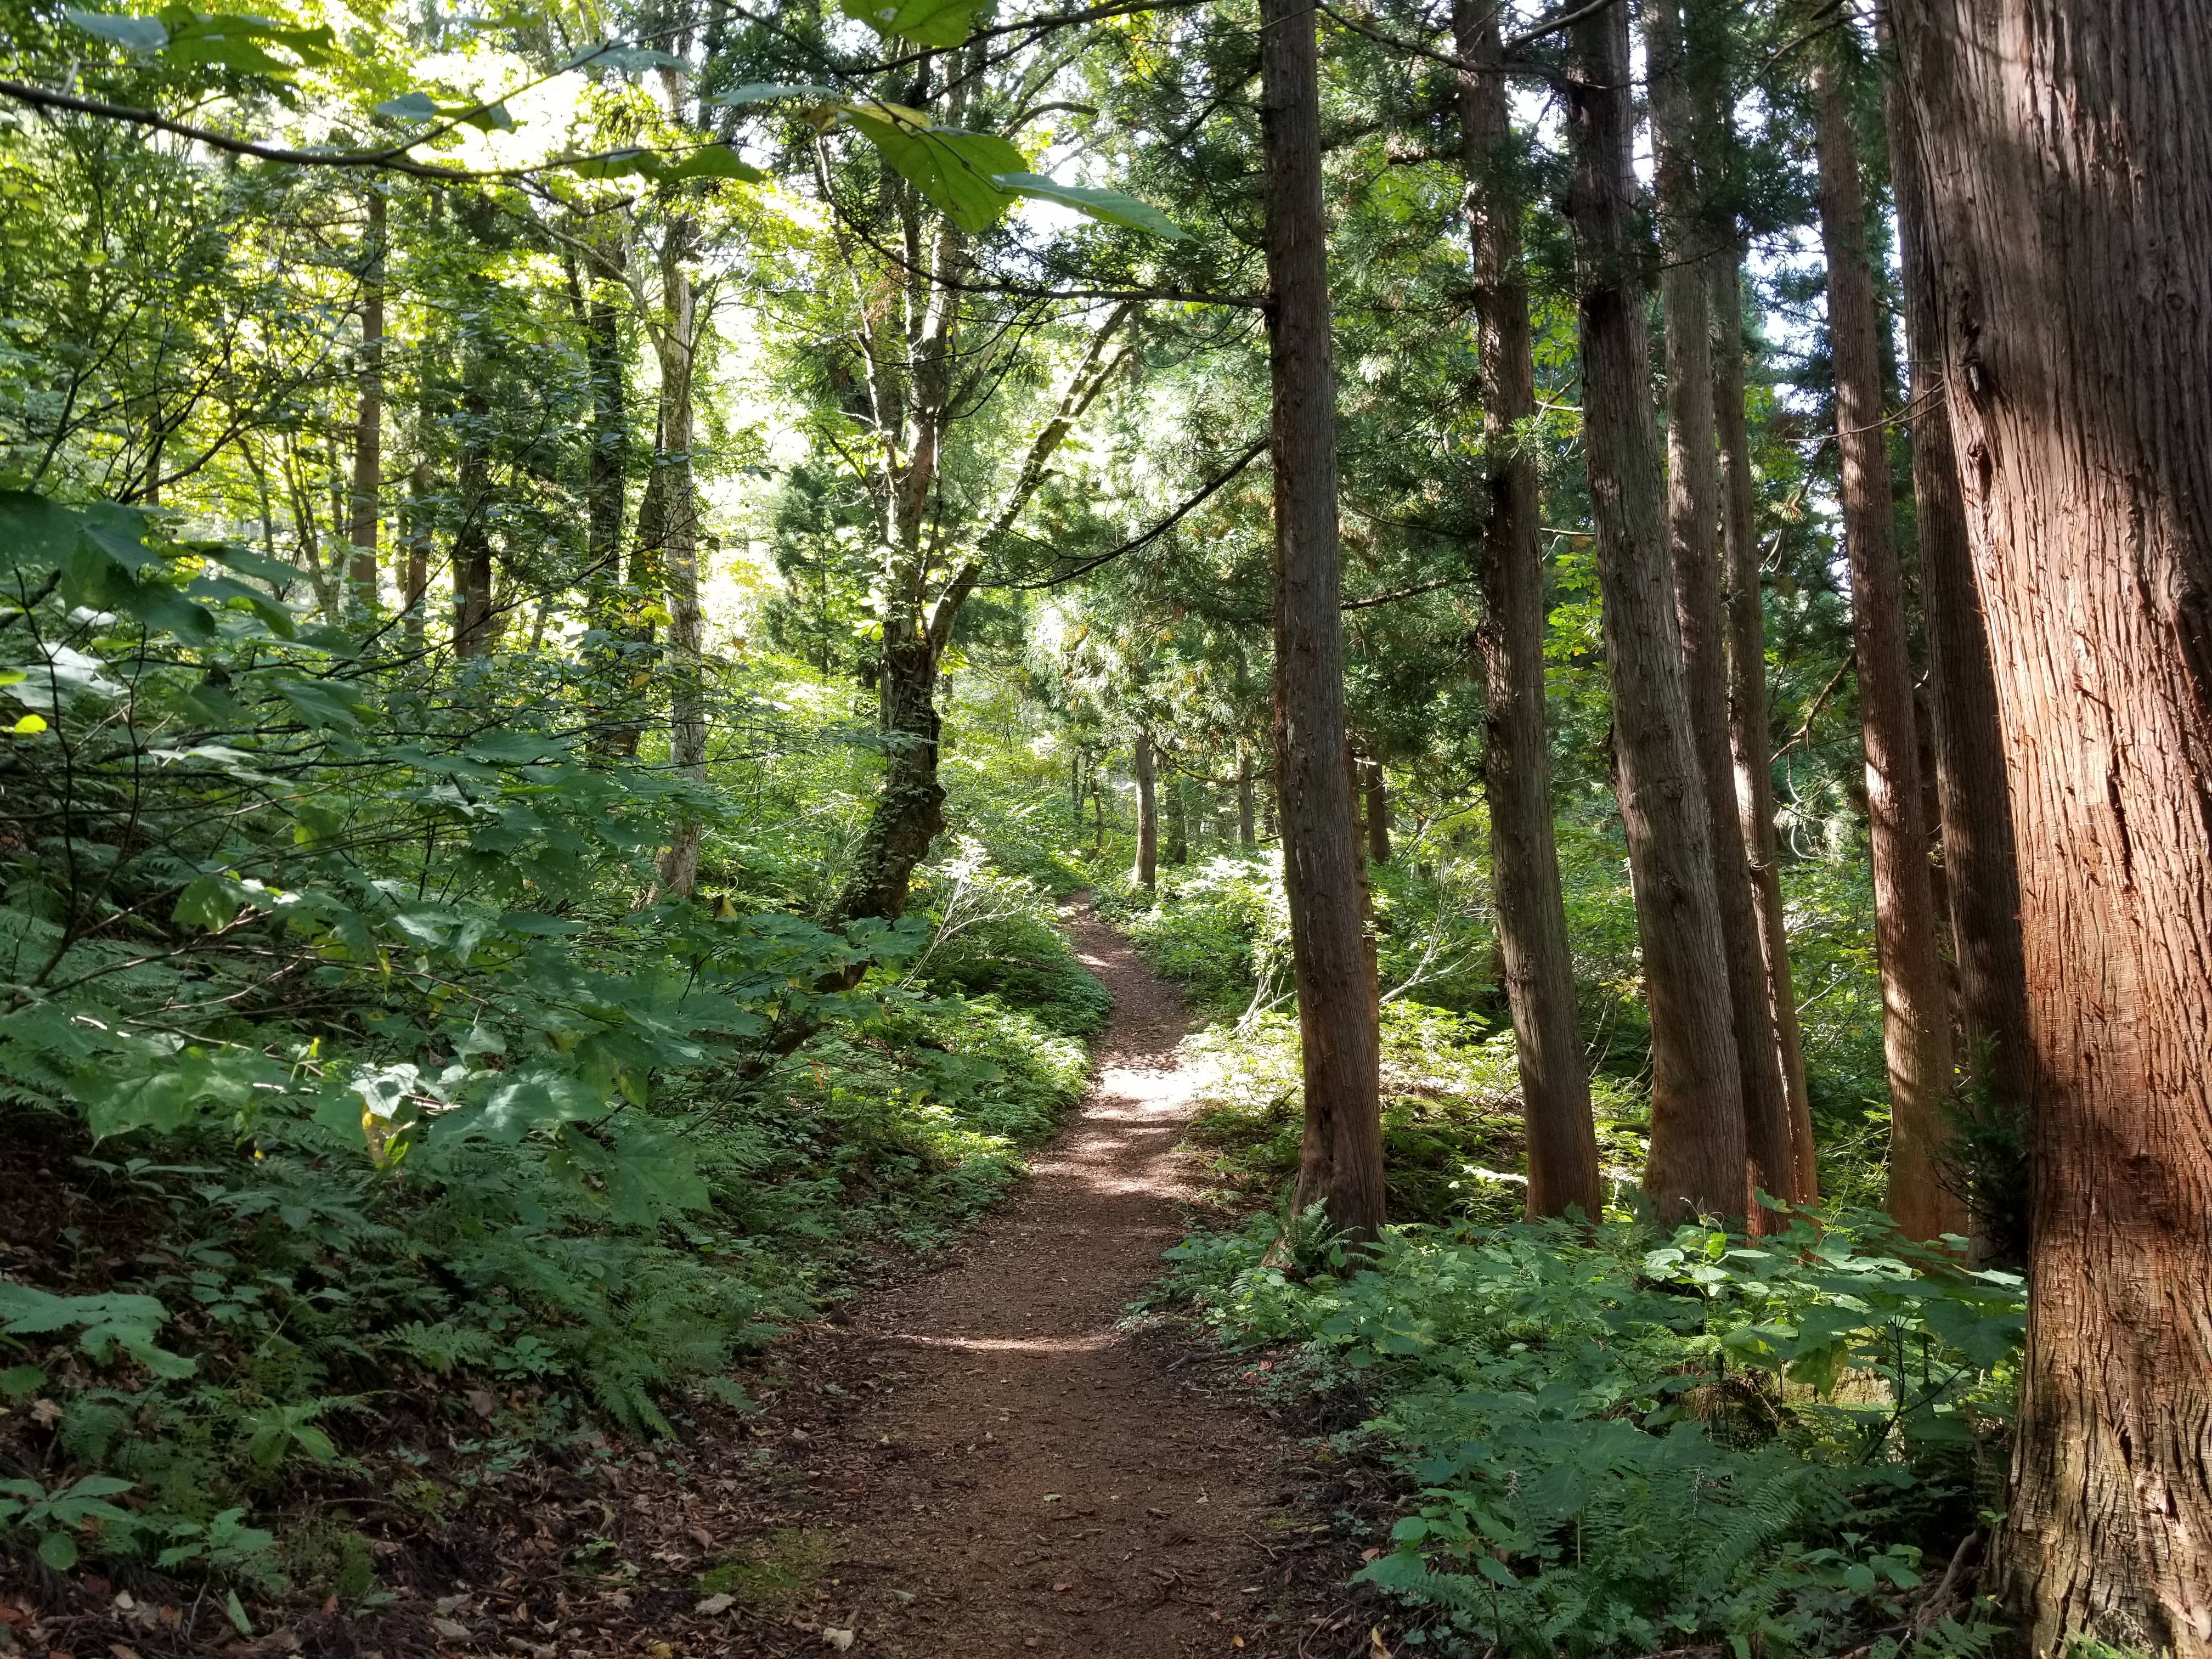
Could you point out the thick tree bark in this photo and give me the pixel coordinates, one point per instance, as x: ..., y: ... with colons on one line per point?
x: 1148, y: 815
x: 1697, y: 1151
x: 367, y: 503
x: 1751, y: 739
x: 1683, y: 94
x: 1245, y: 837
x: 1324, y: 875
x: 2069, y: 161
x: 1916, y: 1018
x: 1516, y: 764
x: 677, y: 341
x: 1980, y: 874
x: 1178, y: 820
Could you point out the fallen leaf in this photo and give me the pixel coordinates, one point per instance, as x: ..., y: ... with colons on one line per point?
x: 1375, y: 1648
x: 451, y: 1631
x: 1052, y: 1498
x: 705, y: 1540
x: 1368, y: 1554
x: 1063, y: 1585
x: 839, y: 1639
x: 715, y: 1604
x: 123, y: 1650
x: 1236, y: 1641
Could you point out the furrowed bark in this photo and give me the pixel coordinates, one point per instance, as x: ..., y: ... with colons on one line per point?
x: 367, y: 504
x: 1324, y: 874
x: 1516, y: 773
x: 1917, y: 1021
x: 2069, y: 164
x: 1682, y: 121
x: 1751, y: 739
x: 1975, y: 804
x: 1698, y: 1152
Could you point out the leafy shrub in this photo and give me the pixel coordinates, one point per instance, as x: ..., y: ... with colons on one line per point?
x: 1618, y: 1443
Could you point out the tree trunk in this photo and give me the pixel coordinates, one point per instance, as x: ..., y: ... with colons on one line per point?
x: 1917, y: 1021
x: 1378, y: 793
x: 1148, y: 816
x: 1974, y: 805
x: 1682, y: 120
x: 475, y: 631
x: 1245, y: 838
x: 1750, y: 739
x: 1178, y: 820
x: 1697, y: 1151
x: 1517, y: 761
x: 415, y: 587
x: 368, y: 417
x: 677, y: 340
x: 2069, y: 163
x: 1324, y: 876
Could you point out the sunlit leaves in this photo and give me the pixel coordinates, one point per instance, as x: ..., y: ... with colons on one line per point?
x: 1113, y: 206
x: 925, y: 23
x: 957, y: 170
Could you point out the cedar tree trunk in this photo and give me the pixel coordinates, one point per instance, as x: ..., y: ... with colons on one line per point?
x: 1916, y: 1018
x: 1682, y: 122
x: 1516, y: 769
x: 1324, y: 875
x: 1974, y: 803
x: 1751, y: 739
x: 1697, y: 1153
x: 677, y: 340
x: 2069, y: 157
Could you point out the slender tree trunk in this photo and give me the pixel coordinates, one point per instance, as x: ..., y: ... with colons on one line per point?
x: 368, y: 418
x: 2070, y: 162
x: 1178, y: 820
x: 475, y: 631
x: 1975, y: 804
x: 1341, y: 1161
x: 677, y: 340
x: 1517, y: 763
x: 1245, y: 838
x: 1148, y: 816
x: 1917, y: 1019
x: 1682, y: 120
x: 415, y: 585
x: 1750, y: 739
x: 1377, y: 791
x: 1698, y: 1150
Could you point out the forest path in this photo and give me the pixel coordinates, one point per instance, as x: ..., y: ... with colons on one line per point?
x: 1042, y: 1483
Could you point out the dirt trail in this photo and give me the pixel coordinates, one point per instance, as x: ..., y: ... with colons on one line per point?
x: 1042, y: 1483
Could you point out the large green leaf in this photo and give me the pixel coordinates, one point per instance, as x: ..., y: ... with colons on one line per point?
x: 763, y: 92
x: 1113, y: 206
x: 956, y: 171
x: 715, y: 161
x: 925, y: 23
x: 131, y: 33
x: 35, y: 534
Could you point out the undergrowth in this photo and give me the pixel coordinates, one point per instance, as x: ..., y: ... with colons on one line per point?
x: 367, y: 1116
x: 1616, y: 1442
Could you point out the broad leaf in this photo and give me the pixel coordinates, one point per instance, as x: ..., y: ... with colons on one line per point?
x: 715, y: 161
x: 763, y: 92
x: 618, y: 164
x: 956, y: 171
x: 1113, y: 206
x: 131, y: 33
x: 410, y: 107
x: 925, y: 23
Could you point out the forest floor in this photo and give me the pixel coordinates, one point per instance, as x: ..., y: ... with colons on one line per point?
x: 984, y: 1457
